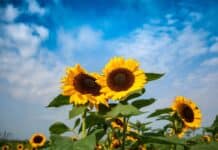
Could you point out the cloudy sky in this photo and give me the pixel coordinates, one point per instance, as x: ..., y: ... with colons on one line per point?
x: 39, y: 39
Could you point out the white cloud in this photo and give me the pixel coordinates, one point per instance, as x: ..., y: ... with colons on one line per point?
x: 30, y: 72
x: 9, y: 13
x: 210, y: 62
x: 159, y: 47
x: 34, y: 8
x: 214, y: 47
x: 20, y: 36
x: 85, y: 38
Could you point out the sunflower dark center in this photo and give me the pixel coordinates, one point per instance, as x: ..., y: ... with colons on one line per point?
x: 86, y: 84
x: 119, y: 122
x: 120, y: 79
x: 37, y: 139
x: 187, y: 113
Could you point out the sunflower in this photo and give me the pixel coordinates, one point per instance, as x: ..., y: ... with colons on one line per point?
x: 131, y: 138
x: 121, y: 78
x: 20, y: 146
x: 115, y: 143
x: 82, y: 87
x: 37, y: 140
x: 188, y: 111
x: 119, y: 124
x: 216, y: 137
x: 142, y: 147
x: 5, y: 147
x: 182, y: 132
x: 206, y: 138
x: 98, y: 147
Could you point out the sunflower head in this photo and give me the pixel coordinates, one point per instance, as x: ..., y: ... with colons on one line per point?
x: 81, y: 87
x: 5, y: 147
x: 187, y: 111
x: 206, y: 138
x: 142, y: 147
x: 37, y: 140
x: 121, y: 78
x: 115, y: 143
x: 20, y: 146
x: 98, y: 147
x: 131, y: 138
x: 118, y: 123
x: 182, y: 132
x: 216, y: 137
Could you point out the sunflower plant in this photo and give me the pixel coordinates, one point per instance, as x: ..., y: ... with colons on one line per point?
x: 103, y: 105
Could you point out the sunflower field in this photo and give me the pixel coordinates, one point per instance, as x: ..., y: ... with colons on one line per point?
x: 103, y: 105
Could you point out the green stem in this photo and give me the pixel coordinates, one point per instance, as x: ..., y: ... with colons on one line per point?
x: 84, y: 124
x: 125, y: 121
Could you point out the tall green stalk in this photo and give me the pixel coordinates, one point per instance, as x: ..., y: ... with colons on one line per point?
x: 84, y: 124
x: 125, y: 122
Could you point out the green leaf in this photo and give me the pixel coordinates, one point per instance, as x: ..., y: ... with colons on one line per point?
x: 135, y: 94
x: 66, y: 143
x: 123, y: 110
x: 77, y: 122
x: 162, y: 140
x: 87, y: 143
x: 94, y: 119
x: 59, y: 142
x: 76, y: 111
x: 153, y: 76
x: 58, y: 128
x: 210, y: 146
x: 58, y: 101
x: 143, y: 102
x: 160, y: 112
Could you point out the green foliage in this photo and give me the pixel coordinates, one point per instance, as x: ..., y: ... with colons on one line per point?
x: 58, y: 101
x: 123, y: 110
x: 66, y: 143
x: 135, y: 94
x: 76, y: 111
x: 205, y: 146
x: 162, y: 140
x: 58, y: 128
x: 160, y: 112
x: 143, y: 102
x: 153, y: 76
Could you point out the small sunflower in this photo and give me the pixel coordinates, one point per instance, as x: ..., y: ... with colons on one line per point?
x: 216, y: 137
x: 119, y: 124
x: 20, y: 146
x: 142, y: 147
x: 206, y: 138
x: 82, y: 87
x: 188, y: 111
x: 37, y: 140
x: 5, y: 147
x: 131, y: 138
x: 98, y: 147
x: 122, y: 78
x: 115, y: 143
x: 182, y: 132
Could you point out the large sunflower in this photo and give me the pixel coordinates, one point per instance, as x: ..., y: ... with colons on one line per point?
x: 20, y: 146
x: 121, y: 78
x: 188, y: 111
x: 37, y: 140
x: 81, y: 87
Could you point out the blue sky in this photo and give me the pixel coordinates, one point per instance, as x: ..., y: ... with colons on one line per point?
x: 39, y: 39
